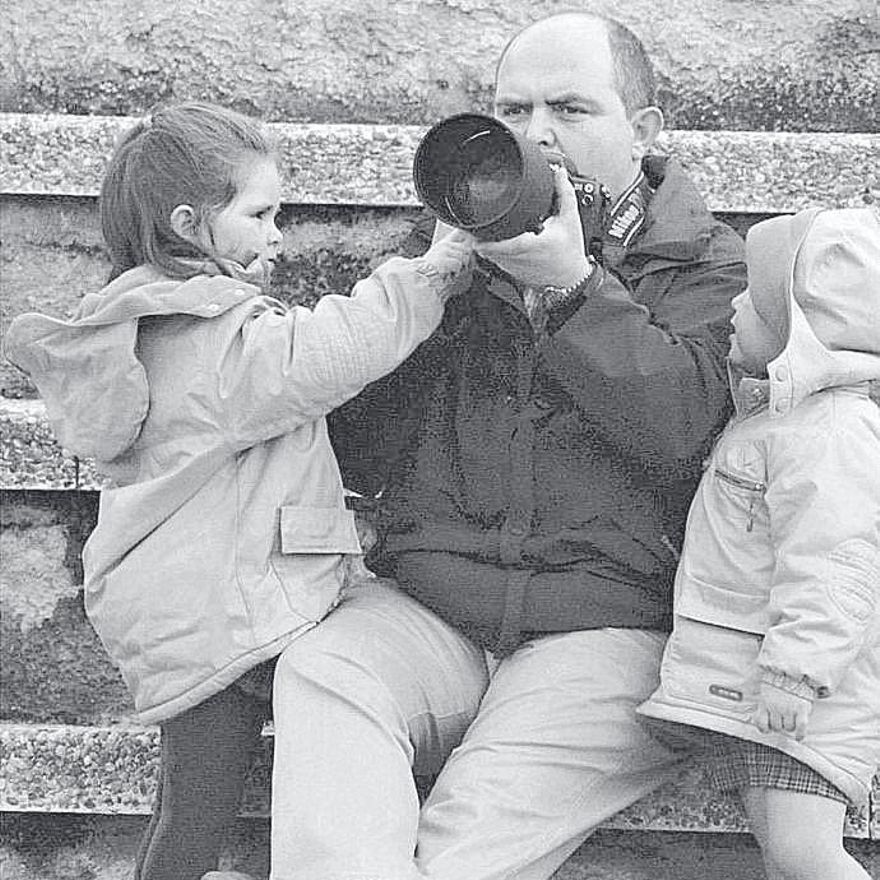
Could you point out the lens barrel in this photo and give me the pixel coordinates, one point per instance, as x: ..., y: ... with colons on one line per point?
x: 476, y: 174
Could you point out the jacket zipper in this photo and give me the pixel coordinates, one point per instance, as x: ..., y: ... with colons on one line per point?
x: 743, y: 483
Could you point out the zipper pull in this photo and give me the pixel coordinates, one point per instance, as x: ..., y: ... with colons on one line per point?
x: 750, y: 523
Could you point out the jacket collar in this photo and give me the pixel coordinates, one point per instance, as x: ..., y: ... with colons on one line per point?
x: 678, y: 222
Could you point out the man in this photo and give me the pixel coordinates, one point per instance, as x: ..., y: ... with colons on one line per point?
x: 536, y: 457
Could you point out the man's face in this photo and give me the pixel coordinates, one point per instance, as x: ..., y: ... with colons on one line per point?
x: 555, y: 87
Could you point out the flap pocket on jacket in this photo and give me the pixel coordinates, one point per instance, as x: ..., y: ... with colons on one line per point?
x: 318, y: 530
x: 712, y: 666
x: 734, y: 609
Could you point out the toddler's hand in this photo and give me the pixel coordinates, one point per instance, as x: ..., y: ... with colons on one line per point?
x: 781, y: 711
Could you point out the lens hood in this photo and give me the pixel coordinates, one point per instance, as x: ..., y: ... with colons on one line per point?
x: 477, y: 174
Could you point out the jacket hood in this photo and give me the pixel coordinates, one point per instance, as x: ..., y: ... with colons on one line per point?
x: 86, y: 369
x: 814, y: 277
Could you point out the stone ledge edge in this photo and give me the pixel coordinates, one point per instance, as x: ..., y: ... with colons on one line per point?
x: 370, y: 165
x: 111, y: 770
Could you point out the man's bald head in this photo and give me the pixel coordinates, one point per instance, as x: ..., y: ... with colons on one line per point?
x: 633, y: 71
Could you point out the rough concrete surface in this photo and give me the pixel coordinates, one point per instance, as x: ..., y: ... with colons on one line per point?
x: 111, y: 770
x: 52, y: 666
x: 371, y: 165
x: 774, y: 64
x: 349, y: 199
x: 98, y: 848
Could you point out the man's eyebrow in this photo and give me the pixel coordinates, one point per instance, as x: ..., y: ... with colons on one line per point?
x: 572, y: 98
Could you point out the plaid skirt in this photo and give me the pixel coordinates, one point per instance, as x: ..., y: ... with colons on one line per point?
x: 734, y: 763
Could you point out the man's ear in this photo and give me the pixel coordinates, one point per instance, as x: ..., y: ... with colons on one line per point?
x: 647, y: 124
x: 184, y: 222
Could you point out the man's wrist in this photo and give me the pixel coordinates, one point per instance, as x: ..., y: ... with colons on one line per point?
x: 555, y: 297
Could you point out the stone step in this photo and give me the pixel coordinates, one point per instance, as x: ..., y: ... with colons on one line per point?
x: 79, y: 847
x: 370, y: 165
x: 111, y: 770
x: 94, y: 767
x: 102, y: 776
x: 30, y: 457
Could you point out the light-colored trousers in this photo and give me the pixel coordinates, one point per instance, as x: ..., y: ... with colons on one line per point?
x: 533, y: 751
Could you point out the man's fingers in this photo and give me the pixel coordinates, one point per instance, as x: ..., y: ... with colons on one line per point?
x: 509, y: 247
x: 564, y: 191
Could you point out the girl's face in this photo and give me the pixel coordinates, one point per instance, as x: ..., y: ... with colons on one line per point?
x: 754, y: 342
x: 245, y: 229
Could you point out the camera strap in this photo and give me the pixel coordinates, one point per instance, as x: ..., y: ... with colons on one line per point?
x: 627, y: 216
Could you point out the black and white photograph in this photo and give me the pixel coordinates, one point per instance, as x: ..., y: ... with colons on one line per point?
x: 440, y: 440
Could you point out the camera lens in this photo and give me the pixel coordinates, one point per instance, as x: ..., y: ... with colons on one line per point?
x: 483, y: 179
x: 475, y: 173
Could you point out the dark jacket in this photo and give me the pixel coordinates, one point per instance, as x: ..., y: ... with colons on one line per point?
x: 538, y: 482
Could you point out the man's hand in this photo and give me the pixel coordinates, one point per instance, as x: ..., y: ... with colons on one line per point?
x: 781, y: 711
x: 555, y: 256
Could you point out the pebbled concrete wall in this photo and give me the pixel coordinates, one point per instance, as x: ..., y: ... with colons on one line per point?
x: 793, y: 65
x: 54, y: 668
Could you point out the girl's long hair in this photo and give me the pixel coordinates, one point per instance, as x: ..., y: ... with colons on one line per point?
x: 189, y: 153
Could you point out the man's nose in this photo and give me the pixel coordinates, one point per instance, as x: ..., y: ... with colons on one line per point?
x: 540, y: 128
x: 275, y: 236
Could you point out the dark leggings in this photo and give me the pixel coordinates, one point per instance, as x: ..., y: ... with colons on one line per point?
x: 205, y: 754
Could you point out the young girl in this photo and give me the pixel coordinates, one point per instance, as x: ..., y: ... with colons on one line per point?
x: 226, y: 534
x: 776, y: 641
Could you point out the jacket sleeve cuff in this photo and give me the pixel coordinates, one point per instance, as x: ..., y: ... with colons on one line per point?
x: 561, y: 305
x: 802, y: 687
x: 444, y: 284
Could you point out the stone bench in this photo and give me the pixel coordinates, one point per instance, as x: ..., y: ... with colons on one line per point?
x: 67, y: 742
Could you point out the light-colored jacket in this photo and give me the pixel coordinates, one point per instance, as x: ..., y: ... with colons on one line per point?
x: 225, y: 533
x: 779, y: 579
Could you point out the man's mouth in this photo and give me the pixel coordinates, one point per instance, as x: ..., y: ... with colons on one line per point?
x: 557, y: 158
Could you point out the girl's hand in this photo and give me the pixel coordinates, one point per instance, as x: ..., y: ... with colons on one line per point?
x: 451, y: 252
x: 451, y: 255
x: 781, y: 711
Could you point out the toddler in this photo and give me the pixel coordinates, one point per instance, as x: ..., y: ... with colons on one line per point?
x: 776, y: 643
x: 225, y: 533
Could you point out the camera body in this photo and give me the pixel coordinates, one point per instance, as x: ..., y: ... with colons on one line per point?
x: 593, y: 201
x: 477, y: 174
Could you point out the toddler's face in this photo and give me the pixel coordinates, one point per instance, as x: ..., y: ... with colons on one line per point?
x: 753, y: 343
x: 245, y: 229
